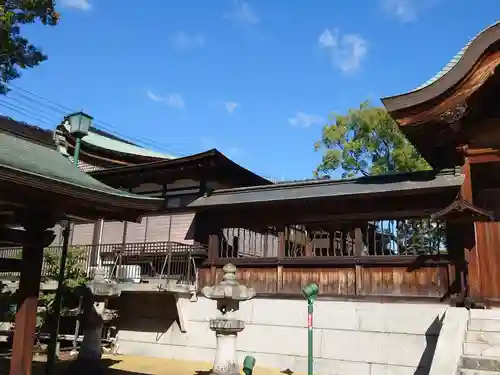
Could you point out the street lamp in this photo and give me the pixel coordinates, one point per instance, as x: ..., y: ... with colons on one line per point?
x: 310, y: 292
x: 79, y: 126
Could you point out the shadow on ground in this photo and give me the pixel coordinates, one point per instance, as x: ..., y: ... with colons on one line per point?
x: 72, y: 367
x: 107, y: 366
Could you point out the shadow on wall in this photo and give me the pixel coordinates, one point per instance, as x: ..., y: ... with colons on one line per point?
x: 430, y: 347
x: 145, y: 312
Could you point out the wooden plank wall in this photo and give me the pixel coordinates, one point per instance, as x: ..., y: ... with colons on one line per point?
x: 432, y: 281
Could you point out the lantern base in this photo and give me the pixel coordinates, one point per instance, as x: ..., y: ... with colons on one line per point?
x: 226, y: 359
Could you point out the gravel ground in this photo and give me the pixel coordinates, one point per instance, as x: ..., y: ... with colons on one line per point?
x: 131, y: 365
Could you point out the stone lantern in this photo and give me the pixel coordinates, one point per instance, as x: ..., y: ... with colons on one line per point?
x: 226, y: 325
x: 95, y: 314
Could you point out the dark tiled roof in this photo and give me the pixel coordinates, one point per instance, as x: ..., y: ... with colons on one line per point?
x: 29, y: 132
x: 332, y: 188
x: 249, y: 177
x: 35, y: 160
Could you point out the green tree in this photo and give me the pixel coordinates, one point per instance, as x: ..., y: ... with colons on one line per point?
x: 16, y: 52
x: 75, y: 277
x: 366, y: 141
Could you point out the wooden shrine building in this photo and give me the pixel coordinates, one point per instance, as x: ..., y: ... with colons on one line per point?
x: 454, y: 120
x: 424, y: 235
x: 39, y: 188
x: 121, y: 164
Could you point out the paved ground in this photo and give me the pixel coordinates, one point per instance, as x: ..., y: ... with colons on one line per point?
x: 154, y: 366
x: 129, y: 365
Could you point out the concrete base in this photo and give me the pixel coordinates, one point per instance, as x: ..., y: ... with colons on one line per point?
x: 350, y: 338
x: 146, y: 285
x: 226, y: 359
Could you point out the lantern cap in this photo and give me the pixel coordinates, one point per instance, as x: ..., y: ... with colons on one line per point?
x: 79, y: 123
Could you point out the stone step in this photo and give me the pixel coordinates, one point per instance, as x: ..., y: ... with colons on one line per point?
x: 481, y: 349
x: 484, y: 314
x: 492, y: 338
x: 487, y: 325
x: 480, y: 363
x: 465, y: 371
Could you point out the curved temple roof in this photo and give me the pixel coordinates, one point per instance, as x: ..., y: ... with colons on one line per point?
x: 101, y: 141
x: 24, y: 162
x: 451, y: 74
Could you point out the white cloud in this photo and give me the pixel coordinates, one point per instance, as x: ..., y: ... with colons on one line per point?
x: 305, y: 120
x: 172, y: 100
x: 327, y: 39
x: 346, y: 50
x: 176, y: 101
x: 404, y: 10
x: 154, y: 97
x: 231, y: 106
x: 77, y: 4
x: 242, y: 14
x: 185, y: 42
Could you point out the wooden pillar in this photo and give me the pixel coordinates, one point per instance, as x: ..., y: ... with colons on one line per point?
x: 283, y: 237
x: 213, y: 255
x: 37, y: 237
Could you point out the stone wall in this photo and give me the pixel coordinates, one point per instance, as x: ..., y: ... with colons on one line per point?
x: 349, y: 338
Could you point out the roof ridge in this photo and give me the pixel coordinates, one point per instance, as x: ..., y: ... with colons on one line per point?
x: 309, y: 182
x: 454, y: 61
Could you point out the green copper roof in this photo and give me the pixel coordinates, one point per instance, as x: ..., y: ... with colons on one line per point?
x: 453, y: 61
x: 115, y: 145
x: 35, y: 160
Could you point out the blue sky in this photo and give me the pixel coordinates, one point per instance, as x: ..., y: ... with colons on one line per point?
x: 256, y: 79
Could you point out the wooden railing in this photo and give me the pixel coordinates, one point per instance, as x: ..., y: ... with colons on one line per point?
x: 387, y: 259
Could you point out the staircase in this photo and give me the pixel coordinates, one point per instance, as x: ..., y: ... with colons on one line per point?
x: 481, y: 348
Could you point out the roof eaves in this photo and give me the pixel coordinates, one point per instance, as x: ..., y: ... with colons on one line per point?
x: 154, y: 164
x: 109, y: 195
x: 333, y: 189
x: 453, y: 62
x: 387, y: 178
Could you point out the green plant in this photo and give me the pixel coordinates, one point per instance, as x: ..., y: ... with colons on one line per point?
x: 75, y: 278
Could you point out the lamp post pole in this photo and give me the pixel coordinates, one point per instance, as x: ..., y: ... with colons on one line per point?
x: 310, y: 292
x: 76, y: 153
x: 52, y: 348
x: 79, y: 126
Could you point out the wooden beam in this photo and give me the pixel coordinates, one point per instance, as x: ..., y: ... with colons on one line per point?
x: 481, y: 155
x: 413, y: 261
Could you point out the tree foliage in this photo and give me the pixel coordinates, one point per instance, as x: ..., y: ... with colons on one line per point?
x: 75, y: 276
x: 366, y: 141
x: 16, y: 52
